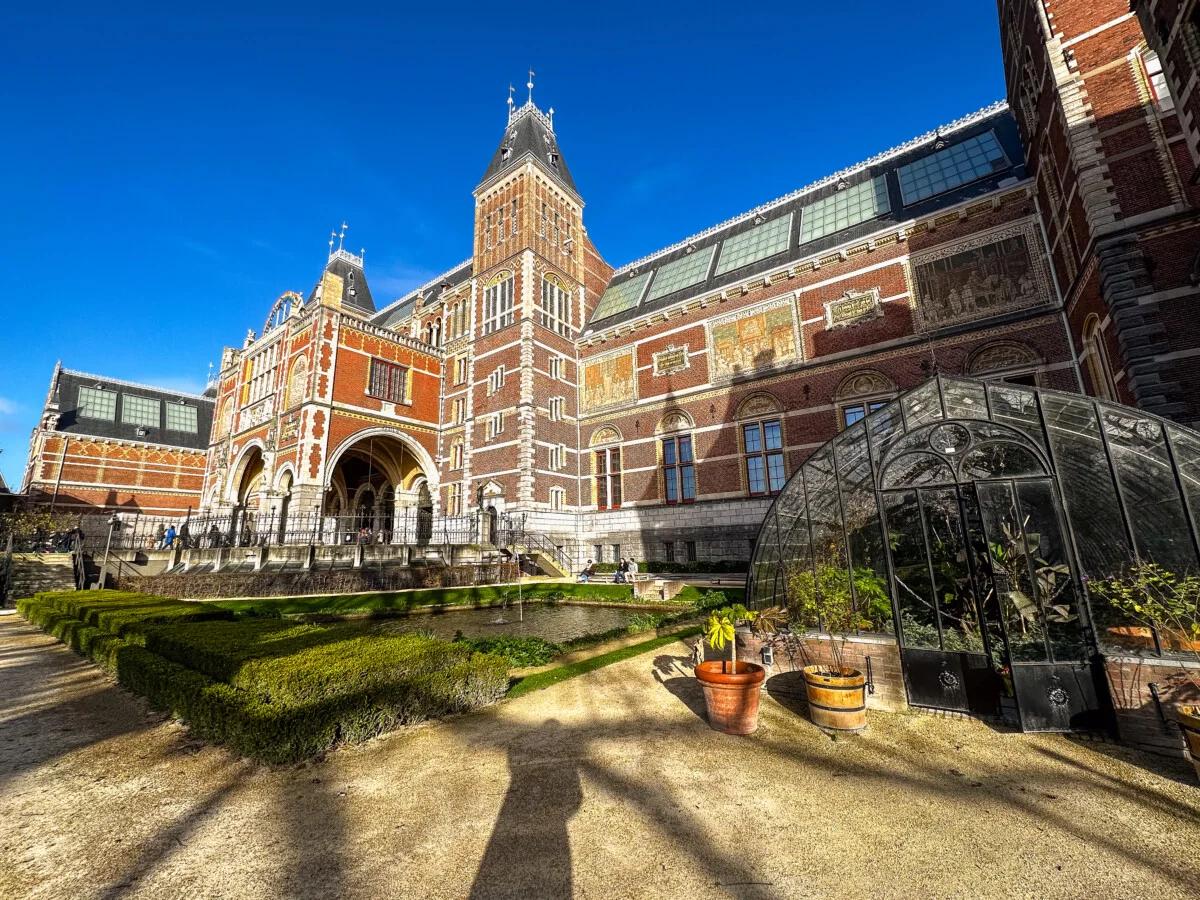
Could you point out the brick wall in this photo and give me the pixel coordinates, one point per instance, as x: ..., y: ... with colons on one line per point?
x: 1140, y: 720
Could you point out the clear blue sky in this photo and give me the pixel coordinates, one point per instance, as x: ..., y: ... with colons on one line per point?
x: 167, y: 175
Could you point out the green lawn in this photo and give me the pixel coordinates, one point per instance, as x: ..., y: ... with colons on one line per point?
x: 395, y: 602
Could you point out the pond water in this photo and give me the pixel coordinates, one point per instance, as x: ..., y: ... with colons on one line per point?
x: 559, y: 622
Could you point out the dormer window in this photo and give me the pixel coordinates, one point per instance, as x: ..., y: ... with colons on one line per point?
x: 505, y: 152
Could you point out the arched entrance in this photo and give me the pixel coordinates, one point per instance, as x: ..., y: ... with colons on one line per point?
x: 248, y: 496
x: 378, y: 490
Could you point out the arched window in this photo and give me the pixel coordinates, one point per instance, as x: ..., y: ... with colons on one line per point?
x: 1005, y: 361
x: 1095, y: 359
x: 555, y: 309
x: 860, y: 394
x: 498, y: 309
x: 297, y: 384
x: 606, y: 468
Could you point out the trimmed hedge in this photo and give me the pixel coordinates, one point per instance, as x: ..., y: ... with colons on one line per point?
x: 697, y: 567
x: 272, y: 690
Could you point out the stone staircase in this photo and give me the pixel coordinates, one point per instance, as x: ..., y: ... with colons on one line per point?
x: 33, y: 572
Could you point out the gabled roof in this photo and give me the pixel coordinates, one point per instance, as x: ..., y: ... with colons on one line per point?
x: 888, y: 183
x: 356, y: 293
x: 399, y: 310
x: 529, y: 133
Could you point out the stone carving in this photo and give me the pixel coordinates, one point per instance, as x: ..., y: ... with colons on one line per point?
x: 986, y: 276
x: 1001, y: 355
x: 758, y: 405
x: 605, y: 435
x: 671, y: 360
x: 761, y: 337
x: 674, y: 421
x: 609, y: 381
x: 852, y: 308
x: 864, y: 384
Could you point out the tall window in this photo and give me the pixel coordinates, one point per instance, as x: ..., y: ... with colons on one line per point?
x: 388, y: 381
x: 460, y: 369
x: 555, y: 309
x: 689, y: 550
x: 1158, y: 81
x: 608, y: 478
x: 495, y: 380
x: 97, y: 403
x: 460, y: 410
x: 456, y: 320
x: 456, y: 455
x: 498, y: 303
x: 679, y: 470
x: 856, y: 411
x: 556, y: 408
x: 558, y: 498
x: 454, y: 499
x: 557, y: 367
x: 763, y: 442
x: 668, y: 551
x: 495, y: 425
x: 557, y: 456
x: 259, y: 374
x: 1096, y: 359
x: 513, y: 217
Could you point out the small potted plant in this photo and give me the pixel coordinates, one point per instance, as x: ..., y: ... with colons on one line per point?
x: 731, y: 686
x: 837, y: 695
x: 1161, y: 601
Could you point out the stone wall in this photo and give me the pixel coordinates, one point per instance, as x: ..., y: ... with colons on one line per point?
x: 295, y: 584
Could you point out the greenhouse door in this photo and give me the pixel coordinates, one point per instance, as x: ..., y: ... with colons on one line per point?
x: 946, y: 650
x: 1054, y: 680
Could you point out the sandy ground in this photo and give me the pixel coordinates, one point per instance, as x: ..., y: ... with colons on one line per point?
x: 610, y: 785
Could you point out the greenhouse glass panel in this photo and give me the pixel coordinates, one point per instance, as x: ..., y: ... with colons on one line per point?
x: 922, y: 405
x: 1186, y: 446
x: 860, y: 511
x: 1147, y: 480
x: 1017, y: 408
x: 830, y: 573
x: 964, y: 400
x: 912, y: 586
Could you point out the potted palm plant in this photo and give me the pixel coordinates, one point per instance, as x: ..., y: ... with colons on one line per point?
x: 1161, y: 601
x: 731, y: 686
x: 837, y: 695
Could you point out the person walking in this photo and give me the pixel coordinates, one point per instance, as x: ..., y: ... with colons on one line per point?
x: 169, y: 538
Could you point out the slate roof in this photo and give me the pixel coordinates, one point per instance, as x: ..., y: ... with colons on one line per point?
x: 356, y: 293
x: 401, y: 309
x: 529, y: 133
x: 66, y: 392
x: 995, y: 118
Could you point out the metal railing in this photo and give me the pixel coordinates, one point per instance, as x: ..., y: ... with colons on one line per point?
x: 246, y: 528
x: 511, y: 534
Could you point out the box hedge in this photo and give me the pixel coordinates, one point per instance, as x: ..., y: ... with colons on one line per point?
x: 269, y: 689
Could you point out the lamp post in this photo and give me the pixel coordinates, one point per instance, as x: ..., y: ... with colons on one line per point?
x: 113, y: 524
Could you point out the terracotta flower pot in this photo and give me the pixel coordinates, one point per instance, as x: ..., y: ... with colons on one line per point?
x: 1189, y: 722
x: 837, y: 701
x: 731, y: 694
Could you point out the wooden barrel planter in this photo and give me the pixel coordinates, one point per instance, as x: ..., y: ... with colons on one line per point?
x: 1189, y: 722
x: 731, y: 694
x: 836, y: 701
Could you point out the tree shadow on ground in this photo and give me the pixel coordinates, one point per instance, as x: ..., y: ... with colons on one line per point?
x: 675, y: 674
x: 787, y: 689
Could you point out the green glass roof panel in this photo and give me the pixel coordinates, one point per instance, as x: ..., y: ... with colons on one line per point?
x: 759, y: 242
x: 682, y: 273
x: 951, y: 167
x: 621, y: 296
x: 847, y: 207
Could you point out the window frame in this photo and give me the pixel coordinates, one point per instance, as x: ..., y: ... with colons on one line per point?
x: 675, y: 468
x: 499, y: 302
x: 764, y: 455
x: 393, y: 375
x: 608, y: 476
x: 83, y: 409
x: 554, y: 305
x: 131, y: 419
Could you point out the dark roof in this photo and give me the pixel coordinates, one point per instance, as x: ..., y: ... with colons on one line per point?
x: 996, y: 118
x: 66, y: 393
x: 401, y: 309
x: 356, y: 293
x: 529, y: 133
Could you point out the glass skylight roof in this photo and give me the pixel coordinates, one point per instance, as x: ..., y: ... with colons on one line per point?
x: 758, y: 243
x: 950, y: 167
x: 683, y: 272
x: 845, y: 208
x: 620, y: 297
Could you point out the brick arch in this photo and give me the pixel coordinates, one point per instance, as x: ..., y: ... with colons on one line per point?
x: 864, y: 383
x: 757, y: 405
x: 605, y: 434
x: 674, y: 420
x: 999, y: 356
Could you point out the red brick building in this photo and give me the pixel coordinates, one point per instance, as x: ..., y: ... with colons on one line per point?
x: 106, y: 444
x: 653, y: 410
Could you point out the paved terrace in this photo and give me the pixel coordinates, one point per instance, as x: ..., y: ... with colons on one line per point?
x: 610, y: 785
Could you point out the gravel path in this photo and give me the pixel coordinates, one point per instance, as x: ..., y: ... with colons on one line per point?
x: 606, y: 786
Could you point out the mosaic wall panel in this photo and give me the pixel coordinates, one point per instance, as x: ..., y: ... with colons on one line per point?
x: 609, y: 381
x: 761, y: 337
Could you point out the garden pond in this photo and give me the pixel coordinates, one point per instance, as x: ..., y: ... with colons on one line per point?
x: 559, y: 622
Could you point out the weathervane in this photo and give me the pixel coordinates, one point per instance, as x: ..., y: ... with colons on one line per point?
x: 342, y: 236
x: 529, y: 84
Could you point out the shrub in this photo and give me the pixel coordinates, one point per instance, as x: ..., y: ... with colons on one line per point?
x: 521, y: 652
x: 270, y: 689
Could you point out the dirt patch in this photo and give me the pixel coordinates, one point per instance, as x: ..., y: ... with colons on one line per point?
x: 609, y: 785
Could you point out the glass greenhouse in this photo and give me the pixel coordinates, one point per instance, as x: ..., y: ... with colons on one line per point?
x: 978, y: 523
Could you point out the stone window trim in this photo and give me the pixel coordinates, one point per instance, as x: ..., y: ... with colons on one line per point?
x: 554, y: 305
x: 496, y: 380
x: 677, y: 469
x: 554, y: 408
x: 1096, y: 361
x: 864, y: 306
x: 606, y: 477
x: 499, y: 302
x: 558, y: 498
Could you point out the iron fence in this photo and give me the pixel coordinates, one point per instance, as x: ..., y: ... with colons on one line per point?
x: 247, y: 528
